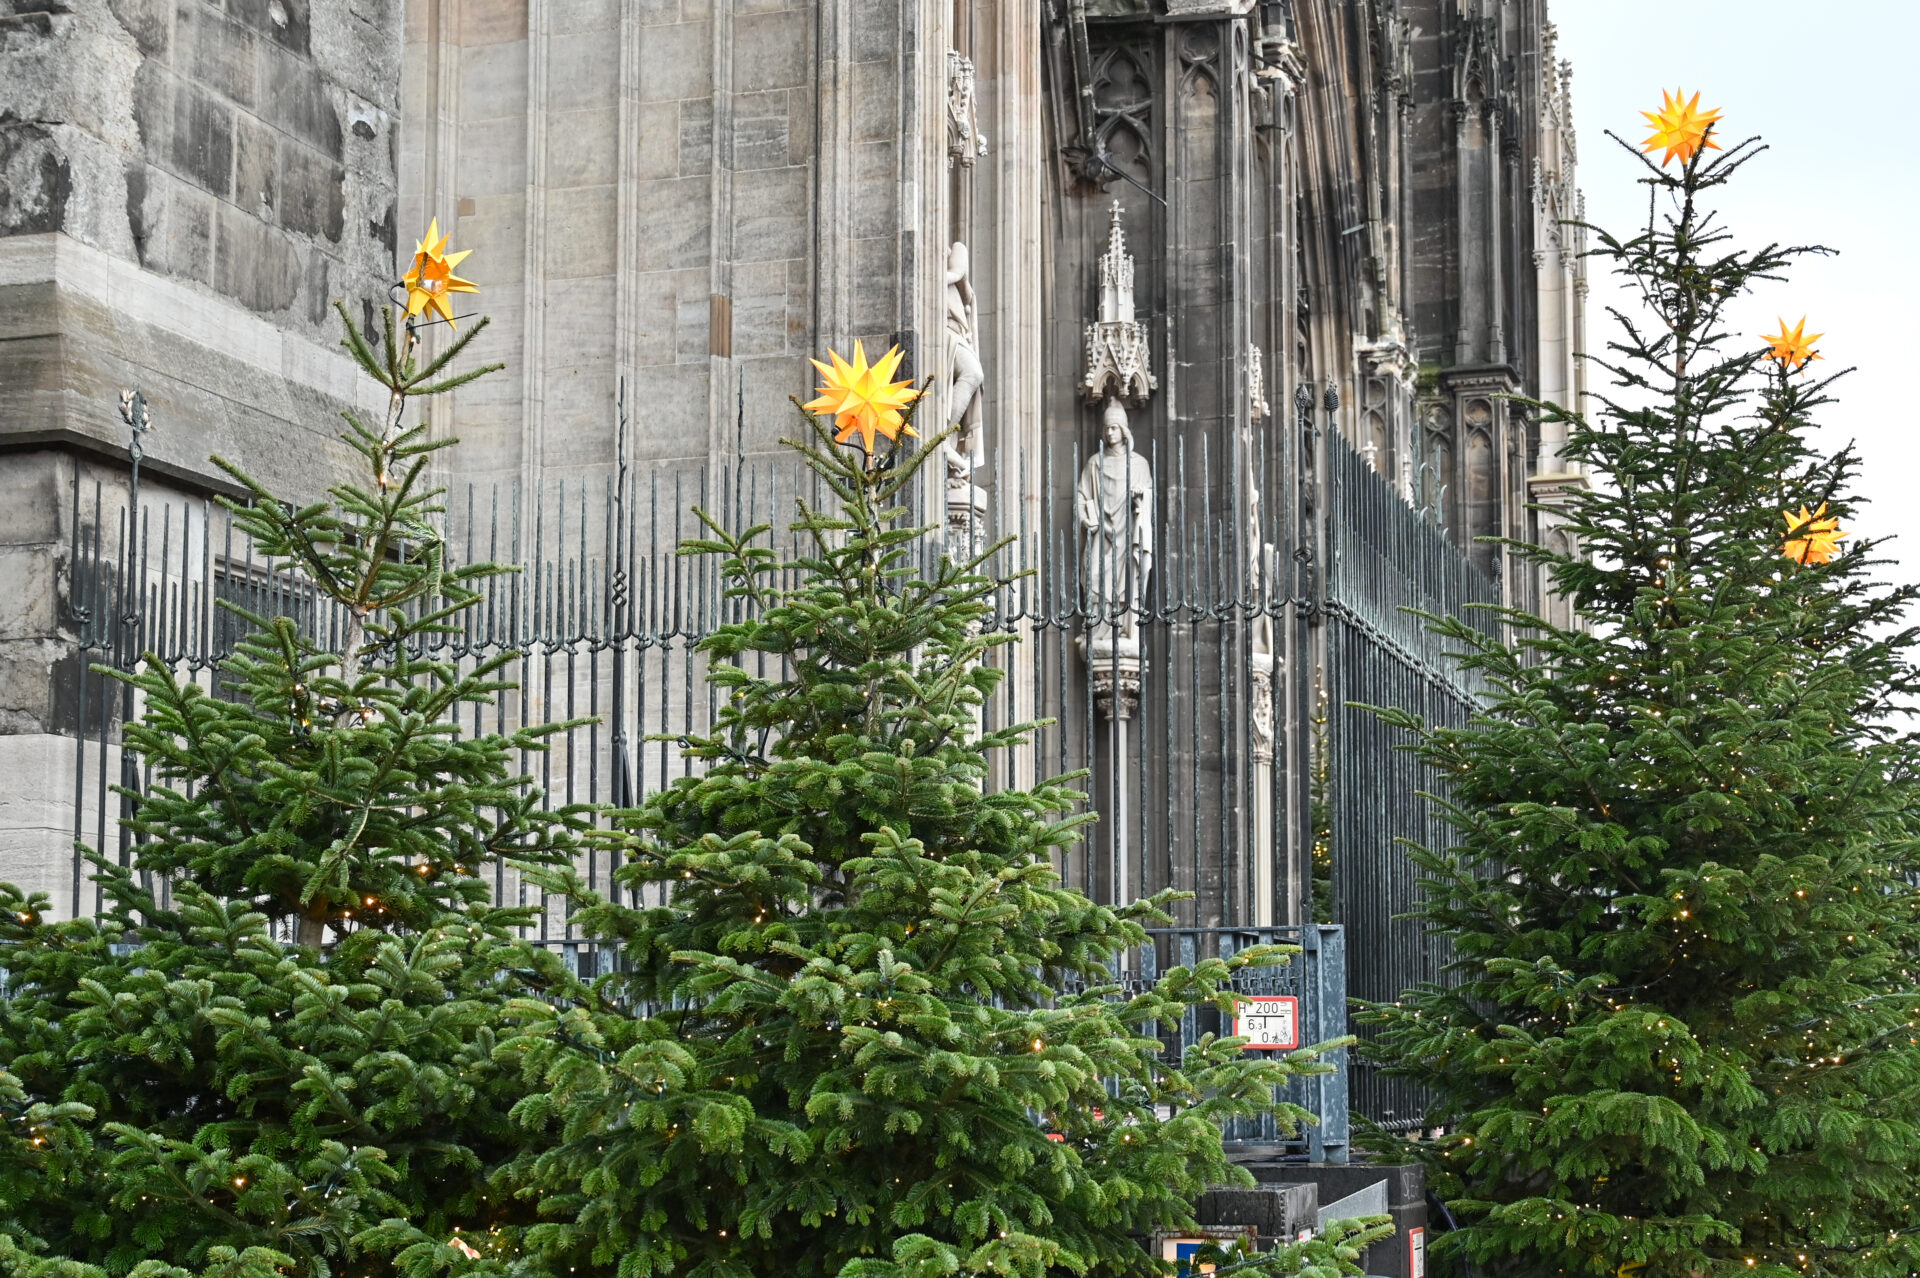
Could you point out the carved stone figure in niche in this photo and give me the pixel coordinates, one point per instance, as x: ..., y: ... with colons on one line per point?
x: 964, y: 139
x: 1263, y: 588
x: 1114, y: 503
x: 964, y: 448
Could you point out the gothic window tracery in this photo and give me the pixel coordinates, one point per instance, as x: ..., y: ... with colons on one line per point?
x: 1123, y: 104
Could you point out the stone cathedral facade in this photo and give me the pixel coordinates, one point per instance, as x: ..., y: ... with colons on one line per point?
x: 1154, y: 256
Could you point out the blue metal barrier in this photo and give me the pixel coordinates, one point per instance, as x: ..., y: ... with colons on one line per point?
x: 1316, y: 976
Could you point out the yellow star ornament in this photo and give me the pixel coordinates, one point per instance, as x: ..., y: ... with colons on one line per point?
x: 863, y: 399
x: 1812, y: 538
x: 1792, y: 348
x: 1680, y: 126
x: 431, y: 282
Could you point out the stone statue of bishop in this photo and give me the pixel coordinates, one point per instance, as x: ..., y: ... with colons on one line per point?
x: 1114, y: 502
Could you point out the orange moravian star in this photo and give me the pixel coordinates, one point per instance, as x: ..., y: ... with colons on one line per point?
x: 1792, y: 348
x: 431, y: 281
x: 864, y: 399
x: 1812, y: 538
x: 1680, y: 126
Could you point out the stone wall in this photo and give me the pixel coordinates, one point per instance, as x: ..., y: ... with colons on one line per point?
x: 184, y: 190
x: 185, y: 187
x: 683, y: 196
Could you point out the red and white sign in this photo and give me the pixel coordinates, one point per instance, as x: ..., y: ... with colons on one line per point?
x: 1268, y: 1022
x: 1416, y: 1253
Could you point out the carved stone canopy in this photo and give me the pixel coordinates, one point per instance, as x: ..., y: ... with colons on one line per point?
x: 1118, y: 358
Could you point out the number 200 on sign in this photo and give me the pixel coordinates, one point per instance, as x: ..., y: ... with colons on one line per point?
x: 1270, y: 1021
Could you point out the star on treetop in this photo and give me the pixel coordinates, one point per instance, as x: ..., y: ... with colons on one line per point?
x: 1792, y: 348
x: 432, y: 280
x: 1680, y: 126
x: 864, y: 399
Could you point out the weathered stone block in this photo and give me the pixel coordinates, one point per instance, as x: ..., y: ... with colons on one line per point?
x: 768, y: 383
x: 218, y: 54
x: 581, y: 148
x: 696, y: 136
x: 149, y: 22
x: 492, y: 21
x: 285, y: 22
x: 317, y: 288
x: 27, y: 605
x: 675, y: 420
x: 253, y: 263
x: 580, y: 413
x: 199, y: 143
x: 580, y: 319
x: 675, y: 216
x: 876, y: 108
x: 357, y: 47
x: 580, y: 232
x: 580, y: 66
x: 692, y: 315
x: 800, y: 307
x: 256, y: 168
x: 658, y: 146
x: 800, y: 113
x: 676, y: 61
x: 36, y: 816
x: 876, y: 30
x: 35, y: 180
x: 493, y: 82
x: 294, y: 97
x: 493, y: 159
x: 496, y: 231
x: 759, y: 322
x: 770, y: 215
x: 760, y: 142
x: 766, y: 54
x: 312, y: 193
x: 179, y: 230
x: 876, y: 293
x: 876, y: 173
x: 31, y: 499
x: 567, y: 16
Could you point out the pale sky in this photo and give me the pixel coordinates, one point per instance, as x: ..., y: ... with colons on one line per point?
x: 1829, y: 87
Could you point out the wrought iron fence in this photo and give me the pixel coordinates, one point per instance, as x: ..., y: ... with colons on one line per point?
x: 1386, y: 566
x: 1202, y: 788
x: 605, y: 620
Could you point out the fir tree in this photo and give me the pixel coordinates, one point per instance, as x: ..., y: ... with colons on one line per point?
x: 247, y: 1075
x: 860, y: 1028
x: 1682, y: 1041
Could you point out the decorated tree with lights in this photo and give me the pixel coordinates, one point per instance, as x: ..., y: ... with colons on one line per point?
x: 860, y: 1028
x: 247, y: 1073
x: 1681, y: 1035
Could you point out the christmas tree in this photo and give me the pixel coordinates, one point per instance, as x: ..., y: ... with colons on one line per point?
x: 248, y: 1073
x: 1682, y: 1037
x: 859, y: 1027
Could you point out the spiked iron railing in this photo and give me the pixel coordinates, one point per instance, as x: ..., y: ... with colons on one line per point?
x: 605, y: 619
